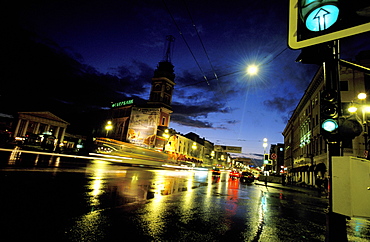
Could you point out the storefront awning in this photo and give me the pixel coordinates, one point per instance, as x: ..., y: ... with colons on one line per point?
x: 300, y: 169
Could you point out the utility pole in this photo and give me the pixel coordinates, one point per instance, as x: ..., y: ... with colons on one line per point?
x: 335, y: 223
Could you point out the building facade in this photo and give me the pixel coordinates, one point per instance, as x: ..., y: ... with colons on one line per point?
x: 147, y: 124
x: 305, y: 153
x: 42, y: 128
x: 143, y: 123
x: 277, y: 159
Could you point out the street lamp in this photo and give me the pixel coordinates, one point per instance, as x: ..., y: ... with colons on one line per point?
x: 265, y: 156
x: 108, y: 127
x: 361, y: 96
x: 212, y: 154
x: 252, y: 70
x: 166, y: 135
x: 193, y: 147
x: 364, y: 110
x: 264, y: 145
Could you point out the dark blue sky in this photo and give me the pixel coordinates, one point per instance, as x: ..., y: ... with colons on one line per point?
x: 126, y: 39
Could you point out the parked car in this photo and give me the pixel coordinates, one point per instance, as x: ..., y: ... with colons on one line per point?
x: 234, y: 174
x: 216, y: 172
x: 247, y: 177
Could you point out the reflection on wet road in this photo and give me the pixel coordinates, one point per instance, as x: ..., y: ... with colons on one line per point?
x: 52, y: 198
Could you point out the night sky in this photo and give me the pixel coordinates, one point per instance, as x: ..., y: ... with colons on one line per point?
x: 74, y: 58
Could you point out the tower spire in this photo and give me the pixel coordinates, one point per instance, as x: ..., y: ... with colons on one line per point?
x: 169, y: 48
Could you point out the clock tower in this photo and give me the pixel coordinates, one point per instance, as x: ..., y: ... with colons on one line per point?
x: 163, y: 80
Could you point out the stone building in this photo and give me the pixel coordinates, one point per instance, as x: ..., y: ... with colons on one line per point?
x: 305, y: 149
x: 40, y: 127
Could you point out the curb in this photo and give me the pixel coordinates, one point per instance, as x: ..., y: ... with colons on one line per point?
x: 294, y: 189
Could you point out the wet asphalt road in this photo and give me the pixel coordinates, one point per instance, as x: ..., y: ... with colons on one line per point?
x: 49, y: 198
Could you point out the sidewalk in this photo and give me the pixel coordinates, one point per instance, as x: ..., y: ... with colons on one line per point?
x: 310, y: 191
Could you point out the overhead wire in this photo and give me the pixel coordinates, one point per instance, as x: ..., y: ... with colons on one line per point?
x: 186, y: 43
x: 200, y: 40
x: 232, y: 73
x: 206, y: 53
x: 216, y: 77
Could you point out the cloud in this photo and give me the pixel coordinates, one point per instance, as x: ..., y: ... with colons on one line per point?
x: 280, y: 104
x: 283, y: 106
x: 134, y: 79
x: 198, y: 109
x: 186, y: 120
x: 195, y: 115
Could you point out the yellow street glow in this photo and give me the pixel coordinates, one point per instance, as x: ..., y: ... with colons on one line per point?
x: 361, y: 96
x: 352, y: 109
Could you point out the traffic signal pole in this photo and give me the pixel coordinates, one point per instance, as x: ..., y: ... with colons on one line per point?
x: 335, y: 223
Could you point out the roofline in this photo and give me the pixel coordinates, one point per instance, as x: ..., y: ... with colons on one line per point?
x: 354, y: 66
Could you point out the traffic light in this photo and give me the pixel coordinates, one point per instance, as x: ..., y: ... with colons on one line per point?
x: 350, y: 127
x: 266, y: 158
x: 329, y: 114
x: 318, y: 15
x: 313, y: 22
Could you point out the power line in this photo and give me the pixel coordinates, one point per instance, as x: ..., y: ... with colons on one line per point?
x: 232, y: 73
x: 201, y: 41
x: 206, y: 53
x: 187, y: 45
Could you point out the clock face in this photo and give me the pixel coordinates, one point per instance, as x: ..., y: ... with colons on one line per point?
x: 157, y: 87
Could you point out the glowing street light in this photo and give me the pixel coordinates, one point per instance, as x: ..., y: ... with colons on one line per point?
x: 194, y: 146
x: 166, y: 135
x: 264, y: 145
x: 265, y: 156
x: 352, y: 109
x: 364, y: 109
x: 361, y: 96
x: 252, y: 70
x: 108, y: 127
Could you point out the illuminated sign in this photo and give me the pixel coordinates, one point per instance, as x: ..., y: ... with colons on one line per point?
x: 231, y: 149
x: 143, y: 125
x: 123, y: 103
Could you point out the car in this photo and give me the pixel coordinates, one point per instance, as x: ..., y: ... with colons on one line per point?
x: 216, y: 172
x: 234, y: 174
x: 187, y: 164
x: 247, y: 177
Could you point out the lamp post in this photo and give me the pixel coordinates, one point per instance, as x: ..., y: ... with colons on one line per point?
x: 108, y: 128
x: 166, y: 135
x: 193, y: 148
x: 265, y: 156
x: 264, y: 145
x: 362, y: 97
x: 364, y: 110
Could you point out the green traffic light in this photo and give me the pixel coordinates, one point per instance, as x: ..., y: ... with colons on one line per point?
x: 329, y: 125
